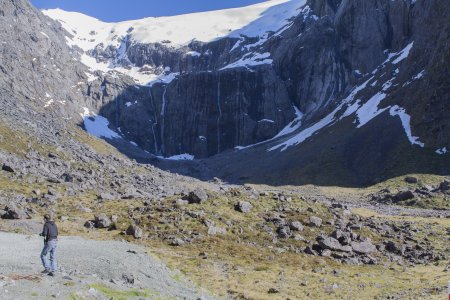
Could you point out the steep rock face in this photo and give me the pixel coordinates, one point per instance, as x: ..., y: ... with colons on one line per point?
x: 205, y: 112
x: 316, y: 60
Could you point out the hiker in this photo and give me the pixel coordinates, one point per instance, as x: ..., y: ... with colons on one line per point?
x: 50, y: 234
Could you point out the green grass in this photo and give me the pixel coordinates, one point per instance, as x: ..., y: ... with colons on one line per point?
x: 121, y: 295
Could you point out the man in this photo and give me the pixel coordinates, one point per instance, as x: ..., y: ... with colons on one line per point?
x: 50, y: 233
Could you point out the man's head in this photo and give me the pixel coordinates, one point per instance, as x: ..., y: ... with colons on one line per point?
x: 48, y: 217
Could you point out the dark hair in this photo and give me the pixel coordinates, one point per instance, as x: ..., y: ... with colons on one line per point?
x: 47, y: 217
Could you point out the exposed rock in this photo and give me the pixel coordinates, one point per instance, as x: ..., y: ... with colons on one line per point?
x: 363, y: 247
x: 135, y: 231
x: 315, y: 221
x: 445, y: 185
x: 89, y: 225
x: 404, y: 195
x: 13, y: 211
x: 329, y: 243
x: 105, y: 196
x: 7, y: 168
x: 102, y: 221
x: 197, y: 196
x: 177, y: 242
x: 243, y: 206
x: 411, y: 179
x: 284, y: 232
x: 213, y: 230
x: 296, y: 226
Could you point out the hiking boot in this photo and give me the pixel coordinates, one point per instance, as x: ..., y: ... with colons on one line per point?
x: 45, y: 272
x: 51, y: 274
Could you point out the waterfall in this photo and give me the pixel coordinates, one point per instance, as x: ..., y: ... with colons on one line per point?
x: 219, y: 115
x: 163, y: 109
x: 155, y: 121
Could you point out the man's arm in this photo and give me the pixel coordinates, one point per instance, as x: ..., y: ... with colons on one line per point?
x: 45, y: 230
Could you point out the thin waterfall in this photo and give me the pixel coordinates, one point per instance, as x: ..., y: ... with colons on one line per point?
x: 155, y: 121
x: 163, y: 110
x: 219, y: 115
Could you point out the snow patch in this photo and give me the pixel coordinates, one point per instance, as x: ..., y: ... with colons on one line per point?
x: 403, y: 54
x: 193, y: 53
x: 97, y: 125
x: 442, y: 151
x: 266, y: 120
x: 405, y: 118
x: 369, y: 110
x: 250, y: 60
x: 184, y: 156
x: 308, y: 132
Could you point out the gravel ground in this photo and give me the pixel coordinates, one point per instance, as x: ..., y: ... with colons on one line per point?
x: 120, y: 266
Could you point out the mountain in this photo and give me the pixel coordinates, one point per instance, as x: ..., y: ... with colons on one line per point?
x: 296, y: 91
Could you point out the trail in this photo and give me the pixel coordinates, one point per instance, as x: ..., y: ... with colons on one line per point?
x: 83, y: 266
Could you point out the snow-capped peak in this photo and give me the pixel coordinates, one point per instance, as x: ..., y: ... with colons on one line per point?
x: 176, y: 31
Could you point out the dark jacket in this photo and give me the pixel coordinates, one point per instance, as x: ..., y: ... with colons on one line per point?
x: 50, y: 231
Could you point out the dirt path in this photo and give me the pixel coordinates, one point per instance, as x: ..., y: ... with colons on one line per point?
x: 87, y: 270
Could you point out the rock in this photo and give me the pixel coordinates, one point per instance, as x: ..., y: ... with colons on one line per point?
x: 273, y: 291
x: 102, y: 221
x: 284, y: 232
x: 243, y: 207
x: 14, y: 212
x: 64, y: 218
x: 135, y: 231
x: 105, y: 196
x: 114, y: 218
x: 7, y: 168
x: 181, y: 202
x: 329, y: 243
x: 445, y: 185
x: 411, y: 179
x: 404, y: 195
x: 392, y: 247
x: 315, y: 221
x: 197, y: 196
x: 177, y: 242
x: 296, y: 226
x: 213, y: 230
x: 363, y: 247
x: 89, y: 225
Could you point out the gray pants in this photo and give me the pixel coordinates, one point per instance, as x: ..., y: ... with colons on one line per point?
x: 49, y: 250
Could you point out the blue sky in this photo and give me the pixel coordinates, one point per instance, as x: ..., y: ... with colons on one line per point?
x: 120, y: 10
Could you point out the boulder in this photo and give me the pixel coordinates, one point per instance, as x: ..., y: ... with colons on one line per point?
x: 89, y: 225
x: 329, y: 243
x: 404, y: 195
x: 177, y: 242
x: 284, y: 232
x: 315, y: 221
x: 243, y: 207
x: 213, y: 230
x: 14, y: 212
x: 445, y: 185
x: 365, y: 247
x: 102, y: 221
x: 411, y: 179
x: 135, y: 231
x: 296, y: 226
x: 197, y: 196
x: 105, y: 196
x: 7, y: 168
